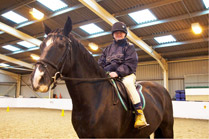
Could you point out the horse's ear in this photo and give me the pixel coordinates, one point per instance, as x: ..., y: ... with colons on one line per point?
x: 68, y: 26
x: 47, y: 30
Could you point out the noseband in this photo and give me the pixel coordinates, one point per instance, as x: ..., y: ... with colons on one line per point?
x: 59, y: 67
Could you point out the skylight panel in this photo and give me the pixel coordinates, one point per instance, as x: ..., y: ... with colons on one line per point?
x: 14, y: 17
x: 4, y: 65
x: 142, y: 16
x: 26, y: 44
x: 54, y: 5
x: 11, y: 48
x: 206, y: 2
x: 91, y: 28
x: 165, y: 39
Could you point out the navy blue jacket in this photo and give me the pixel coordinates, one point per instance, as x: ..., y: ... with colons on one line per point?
x: 119, y: 57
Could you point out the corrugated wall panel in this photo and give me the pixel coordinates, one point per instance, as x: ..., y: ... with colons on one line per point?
x: 149, y: 72
x: 7, y: 86
x: 177, y: 71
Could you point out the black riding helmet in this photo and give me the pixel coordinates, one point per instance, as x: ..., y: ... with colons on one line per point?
x: 119, y: 26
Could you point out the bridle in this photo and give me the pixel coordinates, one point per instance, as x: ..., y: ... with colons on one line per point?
x: 59, y: 66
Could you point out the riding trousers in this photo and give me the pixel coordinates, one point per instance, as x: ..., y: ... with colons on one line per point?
x: 129, y: 82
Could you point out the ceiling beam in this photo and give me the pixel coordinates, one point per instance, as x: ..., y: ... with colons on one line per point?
x: 9, y: 73
x: 180, y: 43
x: 177, y: 52
x: 66, y: 10
x: 31, y: 49
x: 185, y: 51
x: 22, y: 51
x: 122, y: 13
x: 148, y: 6
x: 189, y: 30
x: 163, y: 45
x: 15, y: 68
x: 16, y: 6
x: 107, y: 17
x: 181, y: 17
x: 14, y: 32
x: 16, y: 61
x: 196, y: 58
x: 22, y: 36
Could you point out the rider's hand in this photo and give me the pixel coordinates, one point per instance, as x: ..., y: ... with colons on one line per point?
x: 113, y: 74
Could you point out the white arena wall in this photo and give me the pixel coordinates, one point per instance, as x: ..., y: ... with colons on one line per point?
x: 181, y: 109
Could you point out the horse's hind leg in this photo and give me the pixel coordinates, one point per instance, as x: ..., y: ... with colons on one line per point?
x: 165, y: 130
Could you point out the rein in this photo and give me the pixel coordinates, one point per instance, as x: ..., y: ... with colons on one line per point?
x: 86, y: 79
x: 91, y: 79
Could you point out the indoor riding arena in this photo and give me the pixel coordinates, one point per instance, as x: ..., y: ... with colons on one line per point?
x: 46, y: 85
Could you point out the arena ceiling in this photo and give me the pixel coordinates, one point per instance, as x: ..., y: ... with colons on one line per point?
x: 173, y: 17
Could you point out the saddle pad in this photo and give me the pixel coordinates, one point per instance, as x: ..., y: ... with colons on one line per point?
x: 123, y: 92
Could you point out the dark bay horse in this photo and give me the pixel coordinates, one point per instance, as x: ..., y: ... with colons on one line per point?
x: 94, y: 114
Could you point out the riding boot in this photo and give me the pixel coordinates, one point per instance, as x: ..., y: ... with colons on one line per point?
x: 140, y: 120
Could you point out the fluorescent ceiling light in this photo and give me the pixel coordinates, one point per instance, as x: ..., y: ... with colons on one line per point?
x: 11, y: 48
x: 54, y: 5
x: 36, y: 13
x: 206, y: 2
x: 14, y: 17
x: 26, y: 44
x: 165, y: 39
x: 4, y: 65
x: 91, y: 28
x: 142, y: 16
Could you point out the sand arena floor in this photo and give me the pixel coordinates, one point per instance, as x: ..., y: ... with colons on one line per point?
x: 47, y: 123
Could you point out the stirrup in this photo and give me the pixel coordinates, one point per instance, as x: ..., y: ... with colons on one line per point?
x: 143, y: 126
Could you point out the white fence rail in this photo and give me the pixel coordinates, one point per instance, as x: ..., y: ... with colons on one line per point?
x: 181, y: 109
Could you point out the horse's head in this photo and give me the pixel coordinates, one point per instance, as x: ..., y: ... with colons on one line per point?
x: 55, y: 50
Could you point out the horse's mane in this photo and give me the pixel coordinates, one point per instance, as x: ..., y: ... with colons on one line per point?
x: 86, y: 55
x: 84, y: 52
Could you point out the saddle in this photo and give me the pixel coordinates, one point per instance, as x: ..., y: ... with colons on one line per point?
x: 121, y: 89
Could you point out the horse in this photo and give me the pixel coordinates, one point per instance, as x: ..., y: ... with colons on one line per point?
x: 94, y: 115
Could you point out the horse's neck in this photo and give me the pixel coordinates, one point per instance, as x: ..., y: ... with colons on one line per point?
x: 84, y: 93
